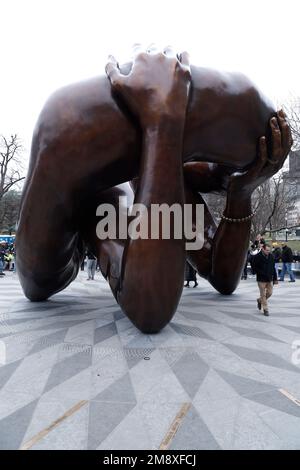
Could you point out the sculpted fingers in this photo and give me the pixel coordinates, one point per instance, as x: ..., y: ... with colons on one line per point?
x: 286, y: 135
x: 281, y: 140
x: 262, y: 153
x: 113, y: 72
x: 184, y: 60
x: 152, y: 49
x: 261, y: 161
x: 139, y: 53
x: 157, y: 85
x: 258, y: 168
x: 276, y: 142
x: 137, y: 49
x: 169, y: 52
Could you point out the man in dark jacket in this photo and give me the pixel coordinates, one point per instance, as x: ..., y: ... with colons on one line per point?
x: 287, y: 259
x: 264, y: 266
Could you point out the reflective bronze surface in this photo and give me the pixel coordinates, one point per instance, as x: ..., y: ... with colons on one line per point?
x: 176, y: 131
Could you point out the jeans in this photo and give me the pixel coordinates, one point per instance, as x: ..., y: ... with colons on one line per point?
x: 91, y: 268
x: 1, y: 266
x: 287, y: 268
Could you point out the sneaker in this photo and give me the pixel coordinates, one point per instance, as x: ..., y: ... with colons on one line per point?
x: 259, y: 304
x: 266, y: 313
x: 2, y: 274
x: 292, y: 281
x: 196, y: 283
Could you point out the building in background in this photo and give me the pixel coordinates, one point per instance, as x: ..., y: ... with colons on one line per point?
x: 292, y: 181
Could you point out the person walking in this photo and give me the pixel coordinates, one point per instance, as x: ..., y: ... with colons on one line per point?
x: 259, y: 241
x: 277, y: 257
x: 190, y: 275
x: 245, y: 270
x: 15, y: 259
x: 253, y: 252
x: 8, y: 259
x: 2, y: 258
x: 287, y: 259
x: 91, y: 265
x: 264, y: 266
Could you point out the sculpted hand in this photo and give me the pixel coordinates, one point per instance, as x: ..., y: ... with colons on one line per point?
x: 157, y: 86
x: 267, y: 163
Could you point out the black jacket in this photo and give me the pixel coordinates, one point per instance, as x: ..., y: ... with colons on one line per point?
x: 287, y: 255
x: 2, y: 254
x: 264, y: 267
x: 190, y: 273
x: 90, y: 255
x: 277, y: 254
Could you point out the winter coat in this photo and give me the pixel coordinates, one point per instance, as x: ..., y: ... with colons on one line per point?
x: 287, y: 255
x: 277, y: 255
x: 264, y: 267
x: 190, y: 273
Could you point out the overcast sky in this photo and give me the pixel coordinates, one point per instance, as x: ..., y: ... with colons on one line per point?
x: 46, y: 44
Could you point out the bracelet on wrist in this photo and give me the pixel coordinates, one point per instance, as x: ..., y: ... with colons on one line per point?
x: 243, y: 219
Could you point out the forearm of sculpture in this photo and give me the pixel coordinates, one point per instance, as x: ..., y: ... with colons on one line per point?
x: 230, y: 244
x: 49, y: 249
x: 153, y: 269
x: 156, y: 91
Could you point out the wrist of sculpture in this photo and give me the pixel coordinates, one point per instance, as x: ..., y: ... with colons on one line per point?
x: 166, y: 125
x: 239, y: 194
x: 238, y: 206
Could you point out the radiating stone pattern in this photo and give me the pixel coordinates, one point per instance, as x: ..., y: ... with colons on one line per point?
x: 219, y: 354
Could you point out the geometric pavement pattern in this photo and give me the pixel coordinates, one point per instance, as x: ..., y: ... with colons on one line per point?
x: 219, y: 355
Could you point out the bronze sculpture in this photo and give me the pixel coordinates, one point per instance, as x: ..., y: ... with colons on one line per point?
x: 177, y: 131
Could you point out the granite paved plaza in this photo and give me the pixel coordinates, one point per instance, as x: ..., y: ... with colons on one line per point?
x: 76, y: 374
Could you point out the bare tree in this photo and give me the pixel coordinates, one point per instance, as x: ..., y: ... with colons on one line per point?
x: 292, y: 110
x: 216, y: 203
x: 10, y: 163
x: 9, y: 209
x: 271, y: 202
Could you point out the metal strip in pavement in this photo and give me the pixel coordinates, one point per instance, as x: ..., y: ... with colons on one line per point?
x: 174, y: 426
x: 289, y: 396
x: 40, y: 435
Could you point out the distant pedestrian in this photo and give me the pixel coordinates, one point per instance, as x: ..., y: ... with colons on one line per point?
x: 190, y: 275
x: 253, y: 252
x: 277, y: 257
x: 2, y: 256
x: 259, y: 241
x: 245, y: 270
x: 287, y: 259
x: 91, y: 265
x: 264, y: 266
